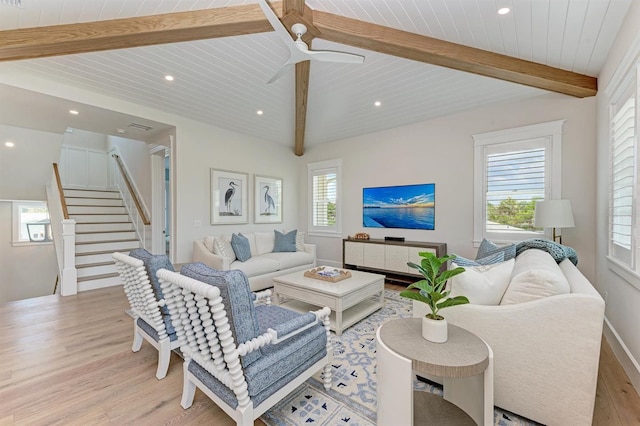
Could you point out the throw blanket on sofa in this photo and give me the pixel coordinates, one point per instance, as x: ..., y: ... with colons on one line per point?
x: 557, y: 251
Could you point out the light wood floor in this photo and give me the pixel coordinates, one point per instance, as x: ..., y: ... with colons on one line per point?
x: 68, y: 361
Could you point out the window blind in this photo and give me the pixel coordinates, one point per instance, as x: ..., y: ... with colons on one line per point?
x: 324, y: 196
x: 623, y: 177
x: 514, y: 181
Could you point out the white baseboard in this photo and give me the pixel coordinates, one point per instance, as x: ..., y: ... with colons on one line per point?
x: 622, y: 353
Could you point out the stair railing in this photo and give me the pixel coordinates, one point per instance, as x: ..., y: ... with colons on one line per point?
x: 64, y: 235
x: 140, y: 218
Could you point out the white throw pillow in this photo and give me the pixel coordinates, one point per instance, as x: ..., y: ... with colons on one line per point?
x: 264, y: 242
x: 484, y: 284
x: 535, y: 275
x: 208, y: 243
x: 300, y: 241
x: 222, y: 247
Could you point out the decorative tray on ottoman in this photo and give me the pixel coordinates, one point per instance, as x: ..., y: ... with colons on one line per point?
x: 326, y: 273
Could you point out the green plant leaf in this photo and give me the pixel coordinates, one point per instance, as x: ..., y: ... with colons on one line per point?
x: 415, y: 296
x: 454, y: 301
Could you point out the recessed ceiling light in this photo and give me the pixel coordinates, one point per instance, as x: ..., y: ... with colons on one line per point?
x: 73, y: 112
x: 377, y: 103
x: 121, y: 131
x: 503, y: 10
x: 259, y: 112
x: 168, y: 77
x: 9, y: 144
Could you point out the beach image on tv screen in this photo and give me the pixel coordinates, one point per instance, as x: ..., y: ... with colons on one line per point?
x: 406, y: 206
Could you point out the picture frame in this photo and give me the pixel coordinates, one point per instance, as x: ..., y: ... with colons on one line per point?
x: 268, y: 199
x: 229, y: 197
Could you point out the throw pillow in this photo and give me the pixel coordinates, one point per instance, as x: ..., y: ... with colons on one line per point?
x: 489, y: 260
x: 300, y: 241
x: 222, y: 247
x: 241, y: 247
x: 285, y: 242
x: 484, y: 284
x: 487, y: 248
x: 535, y: 275
x: 264, y: 242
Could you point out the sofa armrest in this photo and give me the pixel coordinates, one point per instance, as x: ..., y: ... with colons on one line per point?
x: 311, y: 249
x: 202, y: 254
x: 557, y: 335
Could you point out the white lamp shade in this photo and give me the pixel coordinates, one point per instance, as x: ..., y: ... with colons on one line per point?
x: 553, y: 214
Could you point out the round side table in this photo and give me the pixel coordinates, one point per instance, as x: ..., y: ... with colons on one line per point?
x: 464, y: 361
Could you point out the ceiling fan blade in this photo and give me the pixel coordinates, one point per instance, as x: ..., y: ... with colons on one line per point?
x: 331, y: 56
x: 283, y: 69
x: 276, y: 24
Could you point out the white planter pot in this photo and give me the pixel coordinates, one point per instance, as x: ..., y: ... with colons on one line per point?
x: 434, y: 330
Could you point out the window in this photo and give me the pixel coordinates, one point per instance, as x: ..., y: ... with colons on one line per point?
x: 324, y: 197
x: 623, y: 179
x: 31, y: 222
x: 514, y: 168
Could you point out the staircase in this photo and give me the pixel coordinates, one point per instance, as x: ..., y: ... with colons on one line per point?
x: 102, y: 227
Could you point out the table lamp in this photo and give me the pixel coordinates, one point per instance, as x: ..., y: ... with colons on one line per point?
x: 553, y: 214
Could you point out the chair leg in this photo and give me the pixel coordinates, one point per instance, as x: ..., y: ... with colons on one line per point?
x: 164, y: 355
x: 188, y: 387
x: 326, y: 376
x: 137, y: 337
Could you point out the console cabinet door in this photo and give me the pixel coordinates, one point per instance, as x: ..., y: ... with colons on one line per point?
x: 374, y: 256
x: 416, y: 258
x: 395, y: 258
x: 353, y: 253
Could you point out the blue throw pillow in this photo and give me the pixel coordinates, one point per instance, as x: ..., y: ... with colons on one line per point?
x: 489, y: 260
x: 241, y: 247
x: 285, y: 242
x: 488, y: 248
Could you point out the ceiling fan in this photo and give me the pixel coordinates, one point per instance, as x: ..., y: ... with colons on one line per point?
x: 299, y: 51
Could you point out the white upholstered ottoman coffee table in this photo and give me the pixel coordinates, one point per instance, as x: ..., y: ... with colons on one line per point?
x: 350, y: 300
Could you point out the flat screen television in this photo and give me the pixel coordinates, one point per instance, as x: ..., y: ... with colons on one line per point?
x: 404, y: 206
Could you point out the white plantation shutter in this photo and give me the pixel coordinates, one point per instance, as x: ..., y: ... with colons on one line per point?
x: 517, y: 175
x: 623, y: 179
x: 324, y: 192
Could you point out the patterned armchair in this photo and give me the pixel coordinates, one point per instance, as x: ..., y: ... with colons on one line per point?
x: 243, y: 357
x: 152, y: 321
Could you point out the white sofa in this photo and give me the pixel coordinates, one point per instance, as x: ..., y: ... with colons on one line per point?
x: 546, y: 351
x: 264, y: 264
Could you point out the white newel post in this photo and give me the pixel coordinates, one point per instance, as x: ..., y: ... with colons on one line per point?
x: 69, y: 281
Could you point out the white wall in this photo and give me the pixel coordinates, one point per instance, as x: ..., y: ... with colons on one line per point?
x: 202, y: 147
x: 441, y: 151
x: 136, y: 157
x: 26, y: 168
x: 90, y: 140
x: 623, y: 301
x: 27, y: 271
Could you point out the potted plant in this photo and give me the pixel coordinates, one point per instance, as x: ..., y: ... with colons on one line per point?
x: 433, y: 293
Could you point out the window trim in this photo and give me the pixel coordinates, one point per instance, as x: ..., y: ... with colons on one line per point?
x: 550, y: 131
x: 335, y: 231
x: 15, y: 224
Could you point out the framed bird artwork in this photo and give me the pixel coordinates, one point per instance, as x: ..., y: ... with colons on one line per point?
x: 229, y: 197
x: 268, y: 199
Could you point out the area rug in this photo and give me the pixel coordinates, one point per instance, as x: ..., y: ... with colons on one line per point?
x: 352, y: 398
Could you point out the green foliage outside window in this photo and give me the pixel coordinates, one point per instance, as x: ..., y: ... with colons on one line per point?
x: 331, y: 213
x: 514, y: 213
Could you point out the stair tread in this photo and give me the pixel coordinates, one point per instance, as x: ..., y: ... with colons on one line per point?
x: 96, y: 253
x: 94, y: 205
x: 106, y: 241
x: 89, y: 190
x: 103, y: 232
x: 97, y: 277
x: 101, y: 223
x: 90, y: 265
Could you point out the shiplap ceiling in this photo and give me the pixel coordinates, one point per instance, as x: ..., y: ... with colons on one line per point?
x: 222, y: 81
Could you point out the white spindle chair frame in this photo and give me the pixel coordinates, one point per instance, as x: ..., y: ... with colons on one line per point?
x: 203, y: 330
